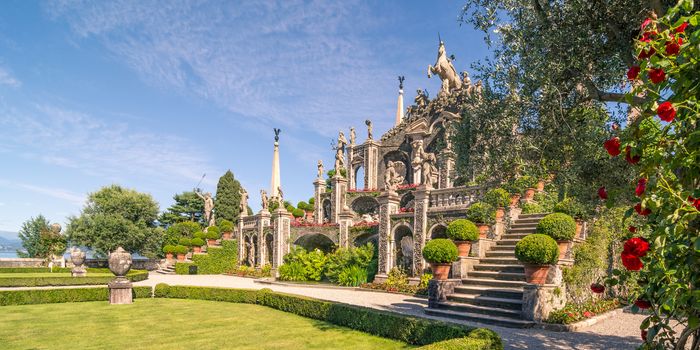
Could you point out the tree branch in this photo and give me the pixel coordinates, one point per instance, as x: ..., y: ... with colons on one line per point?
x: 606, y: 96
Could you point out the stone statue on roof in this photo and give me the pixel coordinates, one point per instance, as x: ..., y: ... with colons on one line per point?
x: 421, y: 99
x: 352, y: 136
x: 446, y: 71
x: 319, y: 170
x: 369, y: 129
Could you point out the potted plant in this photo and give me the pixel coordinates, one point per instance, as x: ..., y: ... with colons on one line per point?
x: 440, y: 253
x: 197, y: 244
x: 463, y: 232
x: 181, y: 251
x: 499, y: 199
x: 526, y: 184
x: 483, y: 214
x: 213, y: 234
x: 169, y: 249
x: 561, y: 228
x: 575, y: 209
x: 184, y: 241
x: 537, y: 252
x: 226, y: 228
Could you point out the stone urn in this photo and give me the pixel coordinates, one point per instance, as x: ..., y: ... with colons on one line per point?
x: 181, y: 257
x: 536, y: 274
x: 463, y: 247
x: 169, y: 256
x: 120, y: 289
x: 77, y: 257
x: 120, y: 263
x: 440, y: 271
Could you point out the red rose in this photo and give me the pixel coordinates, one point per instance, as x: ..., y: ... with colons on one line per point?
x: 588, y: 314
x: 641, y: 187
x: 657, y: 75
x: 647, y: 36
x: 642, y: 304
x: 646, y: 53
x: 673, y: 47
x: 666, y: 111
x: 640, y: 211
x: 631, y: 261
x: 597, y: 288
x: 646, y: 22
x: 694, y: 202
x: 612, y: 146
x: 602, y: 193
x: 681, y: 28
x: 629, y: 158
x: 632, y: 229
x: 644, y: 334
x: 636, y: 246
x: 633, y: 72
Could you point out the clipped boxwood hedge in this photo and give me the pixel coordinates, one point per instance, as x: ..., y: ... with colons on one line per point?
x: 497, y: 197
x: 462, y: 230
x: 440, y: 251
x: 64, y: 295
x: 218, y: 260
x: 408, y: 329
x: 559, y: 226
x: 183, y: 268
x: 66, y: 280
x: 537, y: 249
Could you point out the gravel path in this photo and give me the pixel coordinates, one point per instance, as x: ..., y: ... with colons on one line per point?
x: 618, y: 332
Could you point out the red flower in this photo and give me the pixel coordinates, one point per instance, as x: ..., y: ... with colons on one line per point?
x: 646, y: 53
x: 632, y: 229
x: 629, y: 158
x: 644, y: 334
x: 641, y: 187
x: 681, y: 28
x: 646, y: 22
x: 631, y: 261
x: 666, y: 111
x: 612, y: 146
x: 602, y: 193
x: 694, y: 202
x: 633, y: 72
x: 588, y: 314
x: 657, y: 75
x: 673, y: 47
x: 647, y: 36
x: 597, y: 288
x: 642, y: 304
x: 640, y: 211
x: 636, y: 246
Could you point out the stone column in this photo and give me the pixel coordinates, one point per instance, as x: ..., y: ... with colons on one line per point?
x: 388, y: 204
x: 241, y: 243
x: 345, y: 224
x: 319, y: 188
x: 339, y: 188
x: 349, y: 169
x: 420, y: 228
x: 280, y: 234
x: 371, y: 150
x: 263, y: 222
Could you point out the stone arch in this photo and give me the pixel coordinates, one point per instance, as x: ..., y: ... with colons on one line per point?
x: 402, y: 248
x: 438, y: 230
x: 316, y: 241
x: 358, y: 171
x: 326, y: 205
x: 367, y: 237
x: 365, y: 205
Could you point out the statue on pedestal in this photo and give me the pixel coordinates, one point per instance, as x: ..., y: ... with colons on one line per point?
x: 352, y: 136
x: 208, y: 207
x: 319, y: 171
x: 339, y: 161
x: 280, y: 197
x: 429, y: 170
x: 369, y: 129
x: 421, y: 99
x: 243, y: 206
x: 446, y: 71
x: 264, y: 199
x: 417, y: 161
x: 342, y: 141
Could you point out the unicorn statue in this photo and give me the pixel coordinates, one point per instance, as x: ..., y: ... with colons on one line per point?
x: 446, y: 71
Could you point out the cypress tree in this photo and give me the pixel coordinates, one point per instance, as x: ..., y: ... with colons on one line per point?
x: 228, y: 197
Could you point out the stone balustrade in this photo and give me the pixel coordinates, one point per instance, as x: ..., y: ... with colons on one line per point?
x: 455, y: 197
x: 249, y: 222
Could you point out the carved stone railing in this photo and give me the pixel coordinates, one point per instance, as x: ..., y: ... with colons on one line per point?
x: 249, y: 222
x: 454, y: 198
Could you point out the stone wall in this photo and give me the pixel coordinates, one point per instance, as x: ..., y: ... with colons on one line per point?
x: 21, y: 262
x: 138, y: 264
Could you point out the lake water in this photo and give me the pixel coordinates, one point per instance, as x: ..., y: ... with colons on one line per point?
x: 6, y: 254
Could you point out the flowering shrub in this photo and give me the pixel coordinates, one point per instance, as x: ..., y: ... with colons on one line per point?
x: 662, y: 144
x: 576, y: 312
x: 312, y: 224
x: 406, y: 210
x: 408, y: 187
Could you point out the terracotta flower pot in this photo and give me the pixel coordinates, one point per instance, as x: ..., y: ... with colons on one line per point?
x: 463, y: 247
x: 563, y: 249
x: 514, y: 198
x: 483, y: 230
x: 211, y: 242
x: 197, y: 249
x: 500, y: 213
x: 226, y: 235
x: 530, y: 194
x: 180, y: 257
x: 540, y: 186
x: 536, y: 274
x: 440, y: 271
x: 579, y: 228
x: 169, y: 256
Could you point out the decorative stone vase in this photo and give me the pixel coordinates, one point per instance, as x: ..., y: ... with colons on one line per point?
x: 226, y: 235
x: 514, y: 199
x: 579, y: 228
x: 483, y: 230
x: 440, y: 271
x: 197, y: 249
x: 563, y: 249
x: 180, y: 257
x: 536, y: 274
x: 540, y: 186
x: 211, y: 242
x: 120, y: 288
x: 169, y: 256
x: 463, y: 247
x: 77, y: 257
x: 500, y: 213
x: 529, y: 194
x: 120, y: 262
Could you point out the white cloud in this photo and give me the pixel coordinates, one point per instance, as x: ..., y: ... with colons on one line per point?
x: 6, y: 78
x: 291, y: 63
x: 49, y: 191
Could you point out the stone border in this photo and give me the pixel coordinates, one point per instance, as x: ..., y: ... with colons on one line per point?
x: 577, y: 326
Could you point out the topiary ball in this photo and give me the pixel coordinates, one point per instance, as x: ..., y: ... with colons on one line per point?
x: 537, y: 249
x: 559, y: 226
x: 197, y: 242
x: 497, y: 197
x: 463, y: 230
x: 297, y: 213
x: 440, y: 251
x: 225, y: 226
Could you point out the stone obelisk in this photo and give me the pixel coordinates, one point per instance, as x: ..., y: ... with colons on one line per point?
x: 275, y: 181
x: 399, y: 104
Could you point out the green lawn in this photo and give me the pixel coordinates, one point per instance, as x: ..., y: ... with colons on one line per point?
x: 173, y: 324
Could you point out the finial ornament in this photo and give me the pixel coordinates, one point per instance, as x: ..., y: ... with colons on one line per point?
x: 277, y: 134
x: 401, y: 79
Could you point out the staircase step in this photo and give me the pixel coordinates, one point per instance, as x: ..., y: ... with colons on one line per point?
x: 501, y: 253
x: 503, y: 303
x: 530, y: 216
x: 497, y: 292
x: 479, y: 309
x: 516, y: 235
x: 489, y: 282
x: 493, y: 320
x: 512, y: 242
x: 511, y: 260
x: 502, y: 247
x: 508, y: 276
x: 522, y: 230
x: 500, y: 268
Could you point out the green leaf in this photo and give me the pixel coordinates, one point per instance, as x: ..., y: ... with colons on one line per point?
x: 687, y: 5
x: 693, y: 321
x: 697, y: 244
x: 695, y: 19
x: 645, y: 323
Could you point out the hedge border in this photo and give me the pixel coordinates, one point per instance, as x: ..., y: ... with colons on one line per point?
x: 63, y: 295
x: 133, y: 275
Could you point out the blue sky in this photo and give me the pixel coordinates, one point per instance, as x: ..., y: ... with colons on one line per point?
x: 151, y: 95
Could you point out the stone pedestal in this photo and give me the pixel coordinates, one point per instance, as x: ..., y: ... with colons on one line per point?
x: 388, y: 204
x: 78, y: 271
x: 120, y: 292
x: 280, y: 240
x: 513, y: 214
x: 371, y: 162
x: 540, y: 300
x: 439, y: 290
x: 463, y: 265
x: 345, y: 221
x: 319, y: 189
x: 338, y: 190
x: 481, y: 246
x: 420, y: 228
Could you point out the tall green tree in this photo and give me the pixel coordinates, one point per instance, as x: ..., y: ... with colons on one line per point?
x: 187, y: 207
x: 228, y: 198
x: 39, y: 240
x: 115, y: 216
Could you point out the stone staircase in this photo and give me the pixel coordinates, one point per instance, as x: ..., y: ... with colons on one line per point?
x: 492, y: 293
x: 167, y: 270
